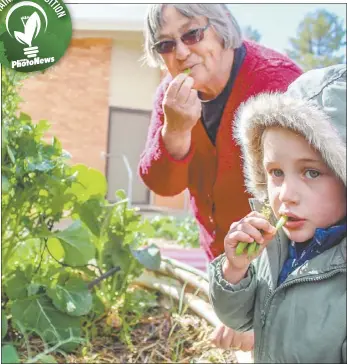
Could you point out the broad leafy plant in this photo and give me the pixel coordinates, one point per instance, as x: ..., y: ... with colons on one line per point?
x: 183, y: 230
x: 56, y: 279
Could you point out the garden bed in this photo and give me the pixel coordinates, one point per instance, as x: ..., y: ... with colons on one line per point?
x: 162, y: 336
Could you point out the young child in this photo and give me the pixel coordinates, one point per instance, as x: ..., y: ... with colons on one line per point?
x: 292, y: 291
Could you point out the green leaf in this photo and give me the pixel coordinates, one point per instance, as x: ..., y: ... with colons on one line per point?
x: 47, y: 359
x: 5, y: 184
x: 39, y: 315
x: 42, y: 126
x: 57, y: 144
x: 10, y: 154
x: 73, y: 298
x: 63, y: 277
x: 4, y: 325
x: 16, y: 286
x: 55, y: 248
x: 24, y: 117
x: 3, y: 58
x: 98, y: 305
x: 89, y: 212
x: 26, y: 250
x: 121, y: 195
x: 58, y: 201
x: 149, y: 257
x: 147, y: 229
x: 42, y: 166
x: 89, y: 182
x: 33, y: 289
x: 76, y: 242
x: 9, y: 354
x: 121, y: 255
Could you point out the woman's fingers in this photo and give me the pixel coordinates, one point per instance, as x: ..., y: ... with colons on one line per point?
x: 179, y: 88
x: 226, y: 338
x: 185, y: 91
x: 175, y: 86
x: 193, y: 103
x: 222, y: 337
x: 217, y: 335
x: 233, y: 339
x: 247, y: 342
x: 192, y: 97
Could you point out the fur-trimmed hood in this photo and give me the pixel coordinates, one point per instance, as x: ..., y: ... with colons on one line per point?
x: 314, y: 105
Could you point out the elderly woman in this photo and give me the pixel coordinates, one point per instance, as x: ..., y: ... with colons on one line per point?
x: 190, y: 145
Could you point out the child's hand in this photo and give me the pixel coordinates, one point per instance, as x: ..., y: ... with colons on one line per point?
x: 247, y: 230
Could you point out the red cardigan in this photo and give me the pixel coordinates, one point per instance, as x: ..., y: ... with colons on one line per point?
x: 213, y: 174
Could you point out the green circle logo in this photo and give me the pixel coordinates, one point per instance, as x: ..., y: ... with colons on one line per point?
x: 34, y: 35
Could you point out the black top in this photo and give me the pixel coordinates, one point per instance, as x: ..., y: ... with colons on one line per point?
x: 212, y: 110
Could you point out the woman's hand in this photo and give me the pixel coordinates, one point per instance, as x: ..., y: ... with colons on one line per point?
x: 247, y: 230
x: 226, y: 338
x: 182, y: 107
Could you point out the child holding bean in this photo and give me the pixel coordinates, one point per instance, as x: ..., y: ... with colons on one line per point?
x: 290, y: 287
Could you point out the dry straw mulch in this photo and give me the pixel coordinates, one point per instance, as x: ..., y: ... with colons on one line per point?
x: 162, y: 336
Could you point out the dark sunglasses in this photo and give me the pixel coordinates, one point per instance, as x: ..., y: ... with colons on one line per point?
x: 191, y: 37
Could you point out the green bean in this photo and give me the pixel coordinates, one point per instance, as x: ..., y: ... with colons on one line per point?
x: 254, y: 246
x: 257, y: 248
x: 240, y: 248
x: 281, y: 222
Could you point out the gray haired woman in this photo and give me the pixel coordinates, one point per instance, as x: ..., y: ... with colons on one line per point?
x: 211, y: 70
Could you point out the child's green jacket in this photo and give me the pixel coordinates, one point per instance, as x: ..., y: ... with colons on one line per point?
x: 301, y: 321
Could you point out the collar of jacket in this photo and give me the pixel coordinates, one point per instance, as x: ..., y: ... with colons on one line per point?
x: 277, y: 253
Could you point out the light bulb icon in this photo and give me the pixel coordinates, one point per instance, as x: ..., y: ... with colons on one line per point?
x: 32, y: 26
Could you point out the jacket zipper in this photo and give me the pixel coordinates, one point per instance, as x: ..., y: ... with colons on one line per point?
x: 271, y: 294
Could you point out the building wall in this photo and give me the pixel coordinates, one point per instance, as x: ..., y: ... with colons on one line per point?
x: 133, y: 83
x: 177, y: 202
x: 73, y: 97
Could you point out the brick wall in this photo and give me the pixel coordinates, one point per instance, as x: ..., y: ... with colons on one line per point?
x: 73, y: 97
